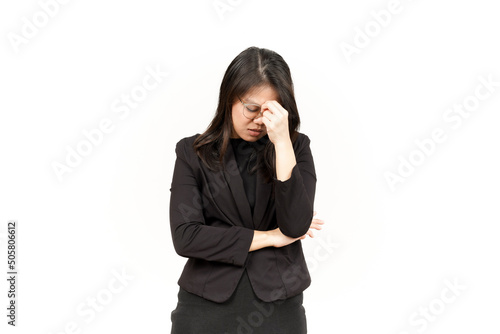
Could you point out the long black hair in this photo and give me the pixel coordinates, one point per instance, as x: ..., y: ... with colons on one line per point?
x: 252, y: 68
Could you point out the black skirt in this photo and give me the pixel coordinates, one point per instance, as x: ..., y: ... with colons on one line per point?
x: 242, y: 313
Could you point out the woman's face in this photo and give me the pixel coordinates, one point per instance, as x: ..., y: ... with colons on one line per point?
x: 242, y: 125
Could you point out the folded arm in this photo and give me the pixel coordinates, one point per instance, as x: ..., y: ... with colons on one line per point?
x: 191, y: 237
x: 190, y: 234
x: 295, y: 187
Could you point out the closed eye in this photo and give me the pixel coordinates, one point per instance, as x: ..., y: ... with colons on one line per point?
x: 253, y: 107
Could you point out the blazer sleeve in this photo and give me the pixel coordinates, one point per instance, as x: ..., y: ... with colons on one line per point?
x: 191, y: 236
x: 294, y: 197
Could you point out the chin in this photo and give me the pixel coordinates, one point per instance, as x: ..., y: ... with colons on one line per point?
x: 252, y: 138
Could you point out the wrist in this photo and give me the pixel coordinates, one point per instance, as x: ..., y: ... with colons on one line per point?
x: 261, y: 239
x: 283, y: 144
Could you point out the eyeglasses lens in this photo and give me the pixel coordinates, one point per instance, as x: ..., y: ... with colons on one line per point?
x: 251, y: 110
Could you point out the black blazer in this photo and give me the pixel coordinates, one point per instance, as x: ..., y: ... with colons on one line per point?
x: 212, y: 225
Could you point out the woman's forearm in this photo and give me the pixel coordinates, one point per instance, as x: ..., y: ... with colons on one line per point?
x: 285, y: 160
x: 260, y: 240
x: 272, y: 238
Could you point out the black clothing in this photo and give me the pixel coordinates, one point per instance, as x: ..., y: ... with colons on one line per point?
x: 243, y: 312
x: 213, y: 216
x: 246, y: 156
x: 212, y: 224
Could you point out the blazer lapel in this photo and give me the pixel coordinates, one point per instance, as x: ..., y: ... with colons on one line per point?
x: 235, y: 182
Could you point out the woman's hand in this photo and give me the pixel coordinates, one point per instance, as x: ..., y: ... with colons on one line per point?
x: 275, y: 118
x: 315, y: 224
x: 278, y: 239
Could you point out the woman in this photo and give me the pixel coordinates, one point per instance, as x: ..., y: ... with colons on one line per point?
x: 242, y: 197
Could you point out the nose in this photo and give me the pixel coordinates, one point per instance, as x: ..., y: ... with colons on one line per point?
x: 258, y: 120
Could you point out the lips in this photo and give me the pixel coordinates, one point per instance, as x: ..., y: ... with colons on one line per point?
x: 254, y: 132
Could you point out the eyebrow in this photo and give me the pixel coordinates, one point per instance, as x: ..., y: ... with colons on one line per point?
x: 251, y: 101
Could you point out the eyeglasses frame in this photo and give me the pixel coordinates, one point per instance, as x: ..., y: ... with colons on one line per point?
x: 251, y: 104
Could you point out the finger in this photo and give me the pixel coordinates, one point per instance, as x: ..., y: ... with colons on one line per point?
x: 316, y: 226
x: 269, y: 115
x: 265, y: 120
x: 275, y: 109
x: 304, y: 236
x: 278, y: 107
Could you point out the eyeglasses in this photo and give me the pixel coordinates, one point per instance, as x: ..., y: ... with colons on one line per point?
x: 251, y: 110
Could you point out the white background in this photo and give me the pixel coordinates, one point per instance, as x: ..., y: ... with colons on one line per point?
x: 383, y: 256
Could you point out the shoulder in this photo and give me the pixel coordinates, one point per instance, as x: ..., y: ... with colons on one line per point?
x: 303, y: 137
x: 184, y: 146
x: 302, y: 141
x: 186, y: 141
